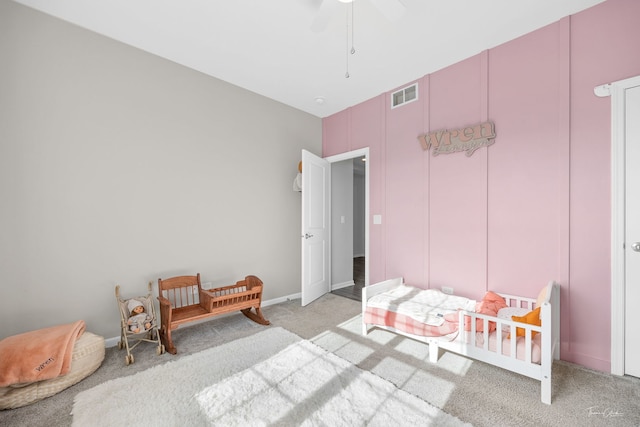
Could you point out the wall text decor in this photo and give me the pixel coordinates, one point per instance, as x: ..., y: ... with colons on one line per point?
x: 467, y: 139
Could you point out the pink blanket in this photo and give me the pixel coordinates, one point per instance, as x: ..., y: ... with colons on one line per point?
x: 38, y: 355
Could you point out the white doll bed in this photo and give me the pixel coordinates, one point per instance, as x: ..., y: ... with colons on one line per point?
x: 532, y: 357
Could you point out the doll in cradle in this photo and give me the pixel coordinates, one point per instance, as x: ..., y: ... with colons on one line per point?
x: 139, y: 320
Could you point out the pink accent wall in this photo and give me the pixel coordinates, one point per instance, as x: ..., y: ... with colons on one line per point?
x: 404, y: 220
x: 527, y: 166
x: 534, y: 206
x: 457, y: 183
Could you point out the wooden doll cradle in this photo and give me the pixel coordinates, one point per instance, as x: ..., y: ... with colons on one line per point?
x: 182, y: 300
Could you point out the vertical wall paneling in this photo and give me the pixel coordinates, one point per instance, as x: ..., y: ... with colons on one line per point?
x: 523, y: 178
x: 349, y: 129
x: 604, y: 41
x: 564, y: 171
x: 382, y: 193
x: 458, y: 184
x: 335, y: 134
x: 535, y: 205
x: 425, y: 96
x: 404, y: 186
x: 366, y: 129
x: 362, y: 128
x: 484, y: 116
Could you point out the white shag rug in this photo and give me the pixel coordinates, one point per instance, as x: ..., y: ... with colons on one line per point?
x: 300, y: 385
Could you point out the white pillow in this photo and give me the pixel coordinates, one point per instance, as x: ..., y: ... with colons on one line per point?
x: 507, y: 312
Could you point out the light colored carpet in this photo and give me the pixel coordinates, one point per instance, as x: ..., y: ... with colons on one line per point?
x: 474, y: 392
x: 301, y: 385
x: 485, y: 395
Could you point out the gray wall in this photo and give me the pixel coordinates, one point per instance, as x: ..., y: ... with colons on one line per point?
x: 119, y: 167
x: 342, y: 233
x: 359, y: 211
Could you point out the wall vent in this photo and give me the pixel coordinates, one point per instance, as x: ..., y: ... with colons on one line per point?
x: 404, y: 96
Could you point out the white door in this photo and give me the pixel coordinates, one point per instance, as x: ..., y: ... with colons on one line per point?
x: 632, y: 231
x: 316, y: 231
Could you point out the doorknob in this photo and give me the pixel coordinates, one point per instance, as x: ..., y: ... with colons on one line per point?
x: 308, y: 236
x: 636, y: 246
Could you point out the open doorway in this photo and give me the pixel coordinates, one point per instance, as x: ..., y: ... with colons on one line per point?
x: 348, y: 236
x: 322, y: 222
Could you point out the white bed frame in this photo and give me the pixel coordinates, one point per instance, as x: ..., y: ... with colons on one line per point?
x: 550, y: 330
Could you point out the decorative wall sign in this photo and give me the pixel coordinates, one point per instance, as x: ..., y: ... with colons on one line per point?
x: 467, y: 139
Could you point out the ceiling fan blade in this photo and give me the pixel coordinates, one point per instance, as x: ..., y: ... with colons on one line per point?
x: 323, y: 15
x: 391, y: 9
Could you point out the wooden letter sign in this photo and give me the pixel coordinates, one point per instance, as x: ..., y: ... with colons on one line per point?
x: 467, y: 139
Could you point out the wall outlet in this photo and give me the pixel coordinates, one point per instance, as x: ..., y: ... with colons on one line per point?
x: 206, y: 285
x: 447, y: 290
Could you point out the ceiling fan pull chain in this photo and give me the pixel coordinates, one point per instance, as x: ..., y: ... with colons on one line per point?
x: 346, y: 75
x: 353, y: 42
x: 353, y: 49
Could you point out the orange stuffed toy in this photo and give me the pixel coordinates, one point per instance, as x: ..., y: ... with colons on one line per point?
x: 531, y: 318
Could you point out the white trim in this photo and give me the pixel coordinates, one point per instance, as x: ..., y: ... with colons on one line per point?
x: 617, y: 231
x: 362, y: 152
x: 616, y: 90
x: 342, y: 285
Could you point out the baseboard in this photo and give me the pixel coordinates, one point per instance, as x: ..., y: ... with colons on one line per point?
x: 586, y: 361
x: 113, y: 342
x: 281, y: 299
x: 342, y: 285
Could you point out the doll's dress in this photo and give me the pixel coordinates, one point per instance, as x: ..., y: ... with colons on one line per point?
x: 138, y: 321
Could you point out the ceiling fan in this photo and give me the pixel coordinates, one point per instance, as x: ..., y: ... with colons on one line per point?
x: 391, y: 9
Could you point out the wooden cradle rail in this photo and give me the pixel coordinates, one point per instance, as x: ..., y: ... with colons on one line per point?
x: 464, y: 343
x: 183, y: 300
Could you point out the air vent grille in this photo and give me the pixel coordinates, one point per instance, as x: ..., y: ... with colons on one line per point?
x: 404, y: 96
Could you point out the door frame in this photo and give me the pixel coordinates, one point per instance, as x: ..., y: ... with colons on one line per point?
x: 616, y: 91
x: 362, y: 152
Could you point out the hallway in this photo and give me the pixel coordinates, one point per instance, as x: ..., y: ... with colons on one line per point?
x: 354, y: 292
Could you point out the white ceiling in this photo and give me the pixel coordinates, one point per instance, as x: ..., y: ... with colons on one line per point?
x: 269, y: 46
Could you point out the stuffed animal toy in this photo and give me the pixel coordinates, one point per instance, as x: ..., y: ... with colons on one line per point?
x: 138, y: 320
